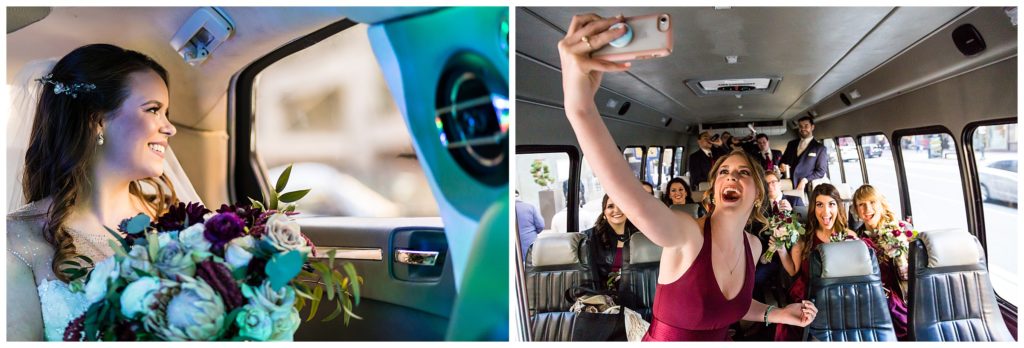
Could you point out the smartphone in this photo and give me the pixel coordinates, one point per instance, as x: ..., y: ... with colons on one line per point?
x: 652, y: 38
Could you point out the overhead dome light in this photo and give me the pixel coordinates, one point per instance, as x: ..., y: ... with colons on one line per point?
x: 732, y: 59
x: 723, y: 7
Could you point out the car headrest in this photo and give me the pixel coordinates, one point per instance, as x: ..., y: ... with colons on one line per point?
x: 703, y: 186
x: 689, y: 208
x: 553, y: 249
x: 951, y: 248
x: 845, y: 259
x: 643, y: 250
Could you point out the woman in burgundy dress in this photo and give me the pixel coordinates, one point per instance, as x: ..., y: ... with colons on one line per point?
x: 873, y: 209
x: 706, y: 273
x: 826, y: 222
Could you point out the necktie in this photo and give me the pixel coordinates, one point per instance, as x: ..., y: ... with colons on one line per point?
x: 768, y: 160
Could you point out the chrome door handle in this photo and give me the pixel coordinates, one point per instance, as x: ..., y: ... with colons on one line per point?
x: 416, y: 257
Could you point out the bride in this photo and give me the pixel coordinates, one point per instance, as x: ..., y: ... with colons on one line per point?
x: 96, y: 155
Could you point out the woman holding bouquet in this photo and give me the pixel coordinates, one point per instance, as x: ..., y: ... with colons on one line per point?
x: 100, y: 131
x: 707, y: 265
x: 826, y: 222
x: 890, y: 238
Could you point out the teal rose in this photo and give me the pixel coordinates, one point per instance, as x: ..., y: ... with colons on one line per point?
x: 254, y: 323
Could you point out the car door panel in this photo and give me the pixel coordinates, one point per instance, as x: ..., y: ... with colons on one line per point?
x: 393, y: 294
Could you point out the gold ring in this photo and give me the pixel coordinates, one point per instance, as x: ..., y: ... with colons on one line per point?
x: 586, y: 40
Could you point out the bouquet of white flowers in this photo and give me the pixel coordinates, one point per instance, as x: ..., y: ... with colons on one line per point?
x: 243, y: 273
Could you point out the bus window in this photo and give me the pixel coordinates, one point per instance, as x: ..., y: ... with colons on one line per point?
x: 542, y: 181
x: 653, y: 165
x: 680, y: 168
x: 834, y: 174
x: 933, y: 181
x: 995, y: 156
x: 634, y: 156
x: 851, y: 162
x: 666, y: 166
x: 881, y: 169
x: 593, y: 192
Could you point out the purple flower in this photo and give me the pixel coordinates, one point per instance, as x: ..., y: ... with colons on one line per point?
x: 895, y: 233
x: 221, y: 229
x: 174, y: 219
x: 245, y: 211
x: 219, y: 278
x: 908, y: 233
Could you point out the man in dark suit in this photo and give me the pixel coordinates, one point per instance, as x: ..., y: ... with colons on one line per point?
x: 770, y: 159
x: 805, y: 158
x: 775, y: 195
x: 700, y: 161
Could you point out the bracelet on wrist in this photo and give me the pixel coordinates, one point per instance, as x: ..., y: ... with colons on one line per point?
x: 766, y: 311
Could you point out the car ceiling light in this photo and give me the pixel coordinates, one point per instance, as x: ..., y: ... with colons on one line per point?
x: 732, y: 59
x: 854, y: 94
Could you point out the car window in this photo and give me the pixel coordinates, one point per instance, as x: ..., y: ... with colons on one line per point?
x: 666, y: 166
x: 339, y: 126
x: 680, y: 168
x: 652, y: 169
x: 998, y: 186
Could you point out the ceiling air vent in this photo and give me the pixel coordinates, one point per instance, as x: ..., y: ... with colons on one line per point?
x: 737, y: 86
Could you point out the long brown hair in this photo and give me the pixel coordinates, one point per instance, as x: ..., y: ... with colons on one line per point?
x: 760, y: 204
x: 63, y: 140
x: 839, y: 226
x: 604, y: 229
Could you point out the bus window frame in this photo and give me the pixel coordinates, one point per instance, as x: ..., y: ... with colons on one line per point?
x: 975, y: 191
x: 643, y: 160
x: 842, y: 171
x: 901, y: 172
x: 860, y: 158
x: 572, y: 211
x: 661, y: 157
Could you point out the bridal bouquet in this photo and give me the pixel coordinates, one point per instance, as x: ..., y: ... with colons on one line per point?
x: 785, y: 231
x: 893, y: 242
x: 243, y: 273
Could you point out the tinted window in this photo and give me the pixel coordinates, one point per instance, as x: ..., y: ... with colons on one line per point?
x: 881, y: 169
x: 834, y: 173
x: 851, y: 162
x: 652, y: 169
x: 634, y: 156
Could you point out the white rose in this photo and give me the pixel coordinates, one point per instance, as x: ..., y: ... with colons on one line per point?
x: 162, y: 239
x: 192, y: 238
x: 137, y: 261
x: 285, y: 327
x: 277, y: 303
x: 237, y: 252
x: 100, y: 277
x: 283, y: 234
x: 138, y: 295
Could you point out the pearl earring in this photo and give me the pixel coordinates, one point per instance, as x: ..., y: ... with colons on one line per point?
x: 99, y: 141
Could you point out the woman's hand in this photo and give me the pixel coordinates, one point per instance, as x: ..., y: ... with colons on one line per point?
x: 796, y: 314
x: 581, y: 75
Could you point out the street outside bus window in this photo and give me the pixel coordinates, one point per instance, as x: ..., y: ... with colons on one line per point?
x: 834, y: 173
x: 666, y: 167
x: 634, y: 157
x: 933, y: 182
x: 881, y: 169
x: 995, y: 155
x: 652, y: 166
x: 851, y: 162
x: 542, y: 180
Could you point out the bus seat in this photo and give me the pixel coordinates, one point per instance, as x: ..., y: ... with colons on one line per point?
x: 553, y: 326
x: 950, y: 294
x: 845, y: 193
x: 639, y: 275
x: 798, y: 193
x: 816, y: 182
x: 703, y: 186
x: 786, y: 185
x: 697, y: 196
x: 847, y: 289
x: 802, y: 210
x: 555, y: 262
x: 690, y: 208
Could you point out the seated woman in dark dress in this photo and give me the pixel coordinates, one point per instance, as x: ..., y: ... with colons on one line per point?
x: 608, y: 239
x: 825, y: 223
x: 873, y: 209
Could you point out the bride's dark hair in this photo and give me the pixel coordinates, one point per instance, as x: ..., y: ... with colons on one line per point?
x: 64, y: 136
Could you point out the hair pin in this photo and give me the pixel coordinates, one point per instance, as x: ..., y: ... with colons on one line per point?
x: 63, y: 88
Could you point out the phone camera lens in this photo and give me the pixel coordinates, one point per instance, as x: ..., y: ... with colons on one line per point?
x: 663, y: 19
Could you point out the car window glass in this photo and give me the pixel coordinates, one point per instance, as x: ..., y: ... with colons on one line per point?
x: 652, y: 169
x: 339, y: 126
x: 634, y: 156
x: 834, y: 174
x: 542, y: 181
x: 851, y: 162
x: 881, y: 169
x: 933, y: 181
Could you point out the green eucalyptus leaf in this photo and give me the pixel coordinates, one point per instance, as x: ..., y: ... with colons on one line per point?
x: 86, y: 259
x: 71, y: 263
x: 293, y: 196
x: 282, y: 268
x: 256, y: 204
x: 282, y: 180
x: 120, y: 240
x: 337, y: 311
x: 318, y: 294
x: 350, y: 270
x: 137, y: 224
